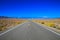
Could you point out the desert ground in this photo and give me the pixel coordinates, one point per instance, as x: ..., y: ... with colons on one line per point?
x: 6, y: 23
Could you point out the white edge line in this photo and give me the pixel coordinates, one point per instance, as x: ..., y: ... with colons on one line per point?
x: 49, y: 29
x: 11, y: 29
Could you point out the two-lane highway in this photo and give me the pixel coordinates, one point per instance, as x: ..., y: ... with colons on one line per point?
x: 30, y: 31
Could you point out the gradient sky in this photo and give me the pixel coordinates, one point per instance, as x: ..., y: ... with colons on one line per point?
x: 30, y: 8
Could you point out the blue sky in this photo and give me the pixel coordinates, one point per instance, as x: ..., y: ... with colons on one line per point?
x: 30, y: 8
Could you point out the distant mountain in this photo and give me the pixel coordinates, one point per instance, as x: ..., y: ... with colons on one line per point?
x: 5, y: 17
x: 29, y: 17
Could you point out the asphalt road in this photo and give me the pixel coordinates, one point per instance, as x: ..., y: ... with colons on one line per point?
x: 30, y: 31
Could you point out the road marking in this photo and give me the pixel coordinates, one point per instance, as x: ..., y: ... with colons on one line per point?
x: 11, y: 29
x: 48, y: 29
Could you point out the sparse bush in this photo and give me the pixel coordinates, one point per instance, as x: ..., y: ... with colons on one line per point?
x: 54, y: 23
x: 58, y: 28
x: 1, y: 28
x: 42, y: 22
x: 6, y: 23
x: 51, y: 24
x: 18, y: 23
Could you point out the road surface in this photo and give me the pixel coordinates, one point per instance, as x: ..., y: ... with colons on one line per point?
x: 30, y: 31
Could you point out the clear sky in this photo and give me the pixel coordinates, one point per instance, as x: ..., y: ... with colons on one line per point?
x: 30, y: 8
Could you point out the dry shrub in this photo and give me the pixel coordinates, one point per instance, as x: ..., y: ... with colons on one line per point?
x: 6, y: 23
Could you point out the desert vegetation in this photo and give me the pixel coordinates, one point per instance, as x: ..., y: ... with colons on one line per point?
x: 6, y: 23
x: 54, y: 23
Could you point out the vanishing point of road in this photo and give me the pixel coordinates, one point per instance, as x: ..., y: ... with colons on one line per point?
x: 30, y: 31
